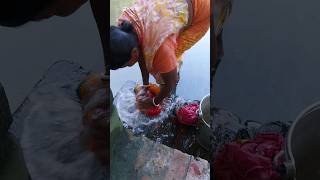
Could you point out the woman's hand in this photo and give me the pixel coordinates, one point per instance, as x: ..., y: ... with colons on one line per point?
x: 170, y: 80
x: 144, y: 103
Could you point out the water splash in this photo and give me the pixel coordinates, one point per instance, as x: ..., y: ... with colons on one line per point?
x: 132, y: 118
x: 162, y: 129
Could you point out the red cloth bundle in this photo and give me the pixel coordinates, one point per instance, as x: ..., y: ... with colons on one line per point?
x: 188, y: 114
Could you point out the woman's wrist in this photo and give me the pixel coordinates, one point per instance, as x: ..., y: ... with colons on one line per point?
x: 145, y: 79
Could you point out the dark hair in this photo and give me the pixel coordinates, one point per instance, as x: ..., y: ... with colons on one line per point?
x: 15, y: 13
x: 122, y: 40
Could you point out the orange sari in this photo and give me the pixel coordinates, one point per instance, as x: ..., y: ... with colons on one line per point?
x: 166, y: 29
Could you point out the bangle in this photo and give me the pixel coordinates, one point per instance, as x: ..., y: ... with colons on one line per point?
x: 155, y: 103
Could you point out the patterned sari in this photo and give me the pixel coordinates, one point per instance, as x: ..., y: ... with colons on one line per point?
x: 155, y: 21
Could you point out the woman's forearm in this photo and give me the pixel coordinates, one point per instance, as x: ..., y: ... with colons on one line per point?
x: 170, y: 82
x: 145, y: 79
x: 144, y: 72
x: 165, y: 91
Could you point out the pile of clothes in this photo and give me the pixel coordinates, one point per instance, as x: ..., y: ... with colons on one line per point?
x: 252, y: 159
x: 248, y: 150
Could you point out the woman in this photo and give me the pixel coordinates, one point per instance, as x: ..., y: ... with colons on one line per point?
x: 155, y: 33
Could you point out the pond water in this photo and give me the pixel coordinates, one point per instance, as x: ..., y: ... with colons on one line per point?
x: 271, y: 66
x: 195, y: 73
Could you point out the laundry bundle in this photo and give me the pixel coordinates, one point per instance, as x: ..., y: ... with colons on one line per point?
x: 188, y: 114
x: 150, y: 91
x: 93, y: 96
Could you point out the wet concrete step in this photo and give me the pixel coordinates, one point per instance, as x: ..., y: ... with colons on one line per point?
x: 140, y: 158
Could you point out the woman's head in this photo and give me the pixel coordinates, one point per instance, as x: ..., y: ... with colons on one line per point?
x: 18, y: 12
x: 123, y: 45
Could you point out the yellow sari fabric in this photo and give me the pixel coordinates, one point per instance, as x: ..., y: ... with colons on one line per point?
x: 154, y: 21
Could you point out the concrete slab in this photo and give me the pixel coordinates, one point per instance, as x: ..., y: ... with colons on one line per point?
x: 140, y: 158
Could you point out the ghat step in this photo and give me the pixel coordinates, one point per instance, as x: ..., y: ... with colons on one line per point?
x: 142, y: 159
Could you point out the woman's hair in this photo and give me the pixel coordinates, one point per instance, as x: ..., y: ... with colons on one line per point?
x: 15, y: 13
x: 122, y: 40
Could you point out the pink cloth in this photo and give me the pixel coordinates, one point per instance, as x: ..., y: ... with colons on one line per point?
x: 188, y: 114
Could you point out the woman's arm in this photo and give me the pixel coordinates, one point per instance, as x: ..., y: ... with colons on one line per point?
x: 144, y: 71
x: 99, y: 9
x: 170, y: 82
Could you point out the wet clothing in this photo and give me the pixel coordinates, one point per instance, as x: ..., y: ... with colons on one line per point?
x: 254, y: 159
x: 166, y: 29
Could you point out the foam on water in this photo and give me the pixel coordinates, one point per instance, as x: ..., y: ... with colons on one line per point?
x: 132, y: 118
